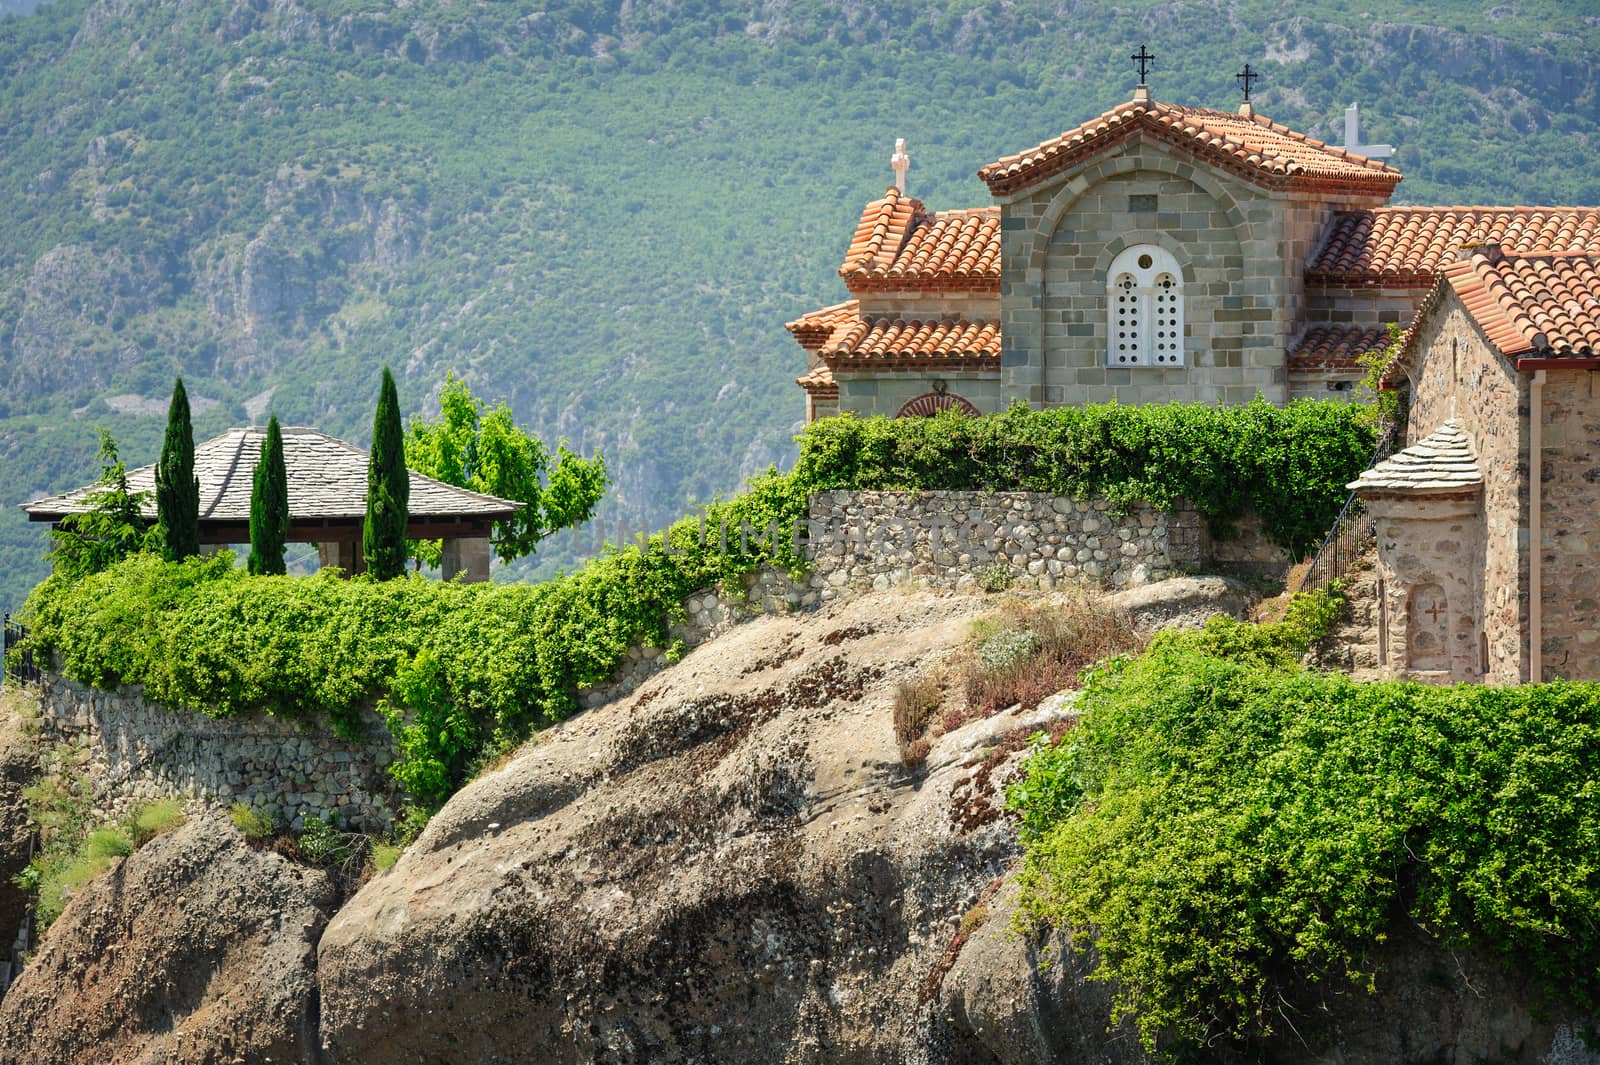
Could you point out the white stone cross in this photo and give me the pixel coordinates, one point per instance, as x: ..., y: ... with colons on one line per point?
x: 1352, y: 138
x: 900, y: 162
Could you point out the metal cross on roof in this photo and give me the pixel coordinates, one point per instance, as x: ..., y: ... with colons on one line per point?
x: 1245, y: 77
x: 1144, y: 60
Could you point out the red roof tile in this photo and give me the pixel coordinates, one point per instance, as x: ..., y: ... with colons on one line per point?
x: 1252, y: 146
x: 818, y: 381
x: 897, y: 341
x: 813, y: 328
x: 1335, y: 348
x: 1407, y: 246
x: 1547, y: 302
x: 899, y: 244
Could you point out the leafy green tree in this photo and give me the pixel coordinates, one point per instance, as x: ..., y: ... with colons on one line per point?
x: 111, y: 529
x: 484, y: 450
x: 383, y: 534
x: 269, y: 506
x: 177, y: 488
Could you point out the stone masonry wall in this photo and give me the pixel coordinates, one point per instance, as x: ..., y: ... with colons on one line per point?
x: 1458, y: 375
x: 140, y: 751
x: 965, y: 541
x: 1571, y: 525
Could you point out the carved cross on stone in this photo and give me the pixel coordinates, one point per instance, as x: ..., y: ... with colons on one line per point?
x: 1433, y: 611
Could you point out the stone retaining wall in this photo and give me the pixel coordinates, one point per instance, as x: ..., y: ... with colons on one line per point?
x: 139, y: 751
x: 965, y: 541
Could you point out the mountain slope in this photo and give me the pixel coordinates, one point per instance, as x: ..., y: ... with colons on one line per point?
x: 603, y: 213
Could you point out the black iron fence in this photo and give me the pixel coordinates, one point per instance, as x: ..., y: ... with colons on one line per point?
x: 1352, y: 534
x: 23, y: 670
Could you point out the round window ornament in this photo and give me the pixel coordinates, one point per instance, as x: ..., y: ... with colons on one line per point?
x: 1145, y: 262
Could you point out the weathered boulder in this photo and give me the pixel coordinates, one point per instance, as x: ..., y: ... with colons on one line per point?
x: 197, y: 948
x: 732, y: 865
x: 1184, y: 602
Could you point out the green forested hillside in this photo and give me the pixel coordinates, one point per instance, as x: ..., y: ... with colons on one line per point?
x: 604, y: 213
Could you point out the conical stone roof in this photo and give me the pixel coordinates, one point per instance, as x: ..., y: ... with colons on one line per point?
x: 1442, y: 462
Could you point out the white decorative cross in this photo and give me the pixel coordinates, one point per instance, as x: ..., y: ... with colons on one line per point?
x: 1352, y: 138
x: 900, y: 162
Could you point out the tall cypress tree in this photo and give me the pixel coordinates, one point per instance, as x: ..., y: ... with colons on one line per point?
x: 177, y: 488
x: 269, y: 505
x: 383, y: 535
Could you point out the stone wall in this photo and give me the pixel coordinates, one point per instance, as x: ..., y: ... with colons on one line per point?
x: 965, y: 541
x: 1570, y: 516
x: 1456, y: 374
x: 139, y: 751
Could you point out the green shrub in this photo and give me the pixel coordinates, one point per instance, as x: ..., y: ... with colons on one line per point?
x: 1238, y: 837
x: 256, y: 825
x: 384, y: 855
x: 108, y: 843
x: 154, y: 819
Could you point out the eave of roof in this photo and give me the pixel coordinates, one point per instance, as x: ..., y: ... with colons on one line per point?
x: 327, y: 482
x: 1251, y: 146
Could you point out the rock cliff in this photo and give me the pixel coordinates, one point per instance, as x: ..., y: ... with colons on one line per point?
x: 731, y: 864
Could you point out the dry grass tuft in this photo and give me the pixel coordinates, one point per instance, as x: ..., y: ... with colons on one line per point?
x: 916, y: 701
x: 1031, y: 651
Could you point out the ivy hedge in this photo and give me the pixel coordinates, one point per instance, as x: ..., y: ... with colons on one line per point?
x: 467, y: 669
x: 1237, y: 836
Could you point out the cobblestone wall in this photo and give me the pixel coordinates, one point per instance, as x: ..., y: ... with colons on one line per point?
x: 139, y: 751
x: 965, y: 541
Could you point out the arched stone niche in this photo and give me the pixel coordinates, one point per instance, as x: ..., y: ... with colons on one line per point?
x: 1427, y: 629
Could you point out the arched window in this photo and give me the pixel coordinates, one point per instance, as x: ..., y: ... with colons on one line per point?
x: 930, y: 403
x: 1144, y: 308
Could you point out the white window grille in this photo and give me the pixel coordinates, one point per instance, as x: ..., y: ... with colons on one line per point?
x: 1144, y: 300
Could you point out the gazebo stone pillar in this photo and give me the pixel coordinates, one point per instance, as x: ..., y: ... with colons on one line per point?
x: 1426, y: 507
x: 466, y: 558
x: 346, y: 554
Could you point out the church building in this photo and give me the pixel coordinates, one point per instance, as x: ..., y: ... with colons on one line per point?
x: 1161, y: 252
x: 1156, y: 252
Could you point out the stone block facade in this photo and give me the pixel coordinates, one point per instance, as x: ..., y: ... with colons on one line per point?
x: 1241, y: 249
x: 140, y: 751
x: 1570, y: 525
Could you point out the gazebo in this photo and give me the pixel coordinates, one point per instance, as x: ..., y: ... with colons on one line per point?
x: 327, y: 500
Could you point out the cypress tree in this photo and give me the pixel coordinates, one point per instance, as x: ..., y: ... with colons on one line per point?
x: 383, y: 535
x: 177, y: 488
x: 269, y: 506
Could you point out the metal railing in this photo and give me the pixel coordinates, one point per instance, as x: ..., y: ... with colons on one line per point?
x: 25, y: 670
x: 1352, y: 533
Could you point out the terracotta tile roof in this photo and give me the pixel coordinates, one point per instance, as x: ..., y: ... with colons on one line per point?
x: 327, y: 479
x: 1441, y: 463
x: 1407, y: 246
x: 899, y: 244
x: 818, y: 381
x: 1336, y: 348
x: 813, y: 328
x: 896, y: 341
x: 1249, y: 145
x: 1547, y: 302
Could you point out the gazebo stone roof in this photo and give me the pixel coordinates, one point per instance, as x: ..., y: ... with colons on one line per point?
x: 327, y: 491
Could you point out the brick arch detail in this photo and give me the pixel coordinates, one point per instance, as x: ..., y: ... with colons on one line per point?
x: 933, y: 402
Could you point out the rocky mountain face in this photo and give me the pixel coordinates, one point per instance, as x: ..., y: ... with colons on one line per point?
x: 732, y: 864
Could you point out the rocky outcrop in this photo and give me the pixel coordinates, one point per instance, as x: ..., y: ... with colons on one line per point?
x: 19, y: 766
x: 197, y: 948
x: 731, y: 865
